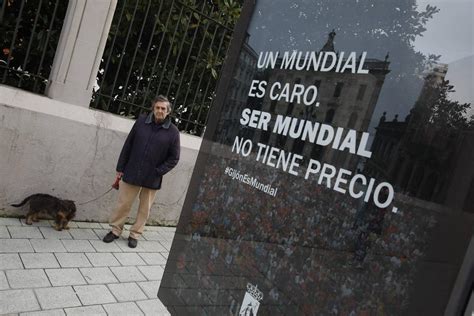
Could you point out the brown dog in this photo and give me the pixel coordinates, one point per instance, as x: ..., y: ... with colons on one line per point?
x: 62, y: 211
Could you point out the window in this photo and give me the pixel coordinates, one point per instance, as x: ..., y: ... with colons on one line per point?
x: 290, y: 108
x: 298, y: 146
x: 352, y: 120
x: 360, y: 94
x: 337, y: 91
x: 329, y: 116
x: 273, y: 106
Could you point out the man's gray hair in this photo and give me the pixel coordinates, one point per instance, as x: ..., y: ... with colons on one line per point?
x: 161, y: 98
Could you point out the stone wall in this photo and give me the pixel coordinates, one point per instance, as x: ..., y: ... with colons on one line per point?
x: 48, y: 146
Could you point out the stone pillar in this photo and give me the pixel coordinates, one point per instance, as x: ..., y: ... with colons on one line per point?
x: 81, y: 45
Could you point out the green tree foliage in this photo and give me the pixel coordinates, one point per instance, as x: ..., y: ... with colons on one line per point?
x: 29, y: 35
x: 166, y: 47
x: 442, y: 113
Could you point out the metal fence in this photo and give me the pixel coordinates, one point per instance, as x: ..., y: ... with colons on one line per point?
x: 164, y: 47
x: 29, y: 35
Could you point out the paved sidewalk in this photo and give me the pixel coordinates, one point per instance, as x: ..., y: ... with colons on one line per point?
x: 46, y: 272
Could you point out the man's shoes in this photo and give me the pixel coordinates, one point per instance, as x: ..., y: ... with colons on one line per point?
x: 110, y: 237
x: 132, y: 242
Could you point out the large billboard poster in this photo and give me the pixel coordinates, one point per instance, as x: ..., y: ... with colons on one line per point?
x: 337, y: 175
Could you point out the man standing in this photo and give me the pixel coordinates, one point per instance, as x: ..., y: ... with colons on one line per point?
x: 151, y: 150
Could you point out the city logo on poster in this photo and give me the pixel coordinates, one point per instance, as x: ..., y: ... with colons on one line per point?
x: 251, y: 302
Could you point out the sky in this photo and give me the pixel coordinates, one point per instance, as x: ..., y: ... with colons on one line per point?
x: 451, y: 31
x: 451, y: 34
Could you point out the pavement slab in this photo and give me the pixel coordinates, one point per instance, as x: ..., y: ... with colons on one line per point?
x: 129, y: 259
x: 143, y: 246
x: 94, y: 294
x: 41, y: 223
x: 62, y: 277
x: 99, y: 275
x: 153, y: 257
x: 27, y: 278
x: 3, y: 281
x: 96, y: 310
x: 123, y: 309
x: 5, y: 221
x: 153, y: 307
x: 4, y: 233
x: 166, y: 244
x: 102, y: 259
x: 83, y: 233
x: 47, y: 245
x: 128, y: 274
x: 126, y: 292
x: 51, y: 233
x: 10, y: 261
x: 57, y: 297
x: 89, y: 225
x: 153, y: 236
x: 150, y: 288
x: 39, y: 260
x: 78, y: 246
x: 25, y: 232
x: 101, y: 232
x: 152, y: 273
x: 101, y: 246
x: 16, y: 301
x: 73, y: 272
x: 50, y: 312
x: 73, y: 260
x: 15, y: 246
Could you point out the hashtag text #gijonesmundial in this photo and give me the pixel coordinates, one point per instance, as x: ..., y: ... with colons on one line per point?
x: 252, y: 181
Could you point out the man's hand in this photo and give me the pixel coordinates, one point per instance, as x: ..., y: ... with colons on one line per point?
x: 117, y: 180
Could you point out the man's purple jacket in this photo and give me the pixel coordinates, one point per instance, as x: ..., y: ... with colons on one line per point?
x: 150, y: 151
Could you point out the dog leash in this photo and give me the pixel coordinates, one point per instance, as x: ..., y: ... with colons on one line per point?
x: 115, y: 186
